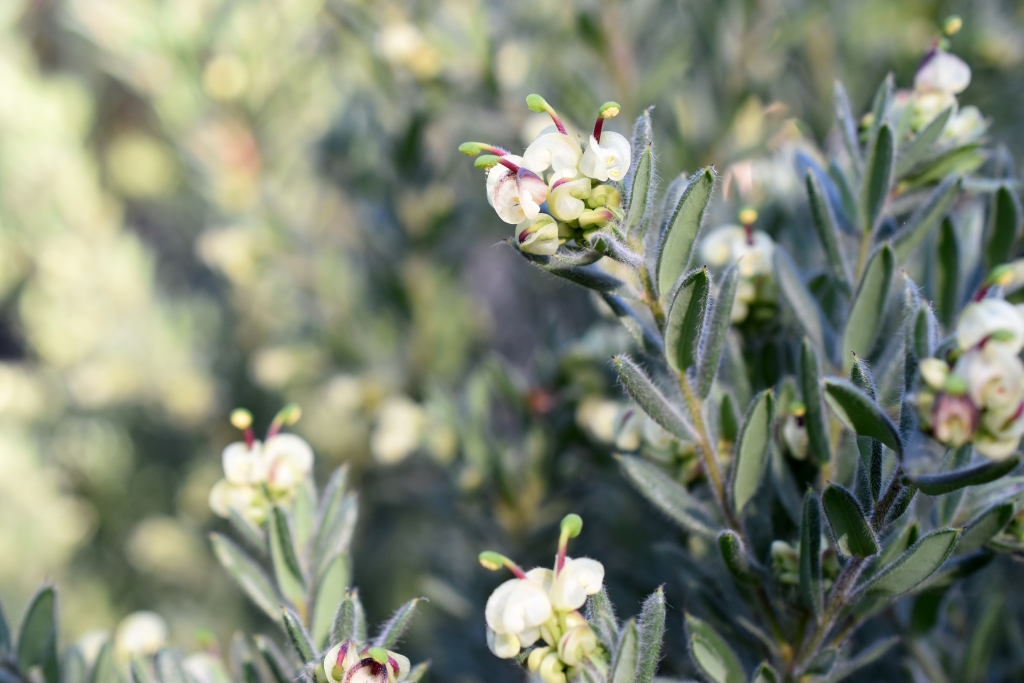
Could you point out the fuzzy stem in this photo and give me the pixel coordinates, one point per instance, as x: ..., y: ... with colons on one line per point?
x: 710, y: 459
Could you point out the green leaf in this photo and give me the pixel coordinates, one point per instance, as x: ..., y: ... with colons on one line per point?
x: 948, y: 503
x: 105, y: 670
x: 5, y: 633
x: 650, y: 631
x: 915, y: 565
x: 330, y: 592
x: 417, y: 673
x: 899, y: 545
x: 683, y: 229
x: 138, y: 671
x: 303, y: 514
x: 278, y: 666
x: 298, y: 637
x: 959, y: 160
x: 350, y: 620
x: 847, y: 125
x: 804, y: 306
x: 285, y: 558
x: 765, y: 674
x: 337, y: 539
x: 926, y: 218
x: 877, y: 183
x: 1003, y: 227
x: 983, y: 527
x: 643, y: 137
x: 600, y: 614
x: 752, y: 449
x: 944, y: 482
x: 642, y: 390
x: 250, y: 533
x: 920, y: 146
x: 948, y: 275
x: 868, y: 308
x: 646, y: 338
x: 73, y: 668
x: 850, y: 529
x: 824, y: 220
x: 821, y: 664
x: 728, y: 420
x: 712, y: 654
x: 668, y: 496
x: 810, y: 390
x: 37, y: 638
x: 639, y: 191
x: 168, y: 667
x: 736, y: 559
x: 396, y: 625
x: 627, y: 655
x: 880, y: 105
x: 868, y: 656
x: 248, y: 574
x: 684, y: 323
x: 861, y: 414
x: 717, y: 330
x: 590, y: 277
x: 810, y: 553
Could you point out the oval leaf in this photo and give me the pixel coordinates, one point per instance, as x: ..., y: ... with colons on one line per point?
x: 683, y: 228
x: 712, y: 654
x: 642, y: 390
x: 825, y: 224
x: 285, y: 558
x: 717, y: 330
x: 926, y: 218
x: 804, y: 306
x: 1003, y: 226
x: 37, y: 638
x: 861, y: 414
x: 297, y: 636
x: 627, y: 655
x: 983, y: 527
x: 878, y: 170
x: 850, y: 528
x: 914, y: 566
x: 752, y: 449
x: 810, y: 553
x: 650, y: 632
x: 685, y: 321
x: 810, y: 390
x: 330, y: 592
x: 248, y: 574
x: 601, y: 616
x: 668, y: 496
x: 639, y: 191
x: 868, y: 308
x: 944, y: 482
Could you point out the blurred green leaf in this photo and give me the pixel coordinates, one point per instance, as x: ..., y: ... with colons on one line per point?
x: 728, y: 420
x: 921, y: 145
x: 248, y: 574
x: 1004, y: 221
x: 861, y: 414
x: 847, y: 124
x: 285, y: 557
x: 712, y: 654
x: 736, y: 559
x: 765, y: 674
x: 252, y: 534
x: 948, y: 273
x: 877, y: 178
x: 814, y: 417
x: 821, y: 664
x: 277, y: 665
x: 627, y: 654
x: 926, y: 218
x: 880, y: 106
x: 810, y: 553
x: 640, y: 190
x: 717, y: 330
x: 850, y: 529
x: 914, y: 566
x: 73, y: 668
x: 168, y: 667
x: 105, y: 670
x: 944, y: 482
x: 298, y: 636
x: 752, y: 449
x: 959, y: 160
x: 824, y: 221
x: 805, y: 308
x: 684, y: 323
x: 642, y: 390
x: 600, y: 614
x: 37, y: 637
x: 867, y: 657
x: 138, y: 671
x: 650, y: 632
x: 868, y: 309
x: 683, y: 228
x: 983, y: 527
x: 396, y: 625
x: 418, y: 672
x: 5, y: 633
x: 668, y: 496
x: 330, y: 592
x: 645, y: 338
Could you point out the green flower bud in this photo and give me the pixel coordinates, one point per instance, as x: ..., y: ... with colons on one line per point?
x: 596, y: 218
x: 955, y: 385
x: 604, y: 195
x: 952, y: 25
x: 537, y: 104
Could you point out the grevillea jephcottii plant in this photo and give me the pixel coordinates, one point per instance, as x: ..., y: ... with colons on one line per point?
x: 846, y: 366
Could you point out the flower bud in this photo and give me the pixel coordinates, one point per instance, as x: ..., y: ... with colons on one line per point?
x: 748, y: 216
x: 952, y: 25
x: 785, y: 562
x: 241, y: 418
x: 538, y: 236
x: 604, y: 195
x: 551, y: 669
x: 576, y: 644
x: 537, y: 655
x: 934, y: 372
x: 794, y: 432
x: 597, y: 218
x: 565, y: 201
x: 537, y: 104
x: 953, y: 420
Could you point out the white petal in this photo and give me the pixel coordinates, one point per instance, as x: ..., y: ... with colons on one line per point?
x: 331, y: 661
x: 242, y: 463
x: 527, y: 607
x: 290, y: 448
x: 996, y: 449
x: 981, y: 319
x: 593, y: 164
x: 505, y: 199
x: 943, y: 72
x: 503, y: 645
x: 529, y: 637
x: 566, y: 200
x: 496, y: 605
x: 617, y: 154
x: 556, y: 151
x: 403, y: 665
x: 578, y: 579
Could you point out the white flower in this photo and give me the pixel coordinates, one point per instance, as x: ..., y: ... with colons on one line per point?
x: 576, y: 644
x: 730, y: 243
x: 556, y: 151
x: 982, y: 319
x: 934, y: 372
x: 794, y: 433
x: 287, y: 460
x: 994, y: 376
x: 518, y: 607
x: 515, y: 194
x: 245, y: 499
x: 140, y: 634
x: 565, y: 201
x: 608, y: 159
x: 942, y: 72
x: 340, y: 659
x: 967, y: 125
x: 343, y: 663
x: 577, y: 579
x: 243, y: 463
x: 538, y: 235
x: 954, y: 420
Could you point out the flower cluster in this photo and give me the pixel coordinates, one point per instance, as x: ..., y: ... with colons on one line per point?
x: 542, y: 605
x: 753, y: 250
x: 560, y: 188
x: 976, y: 393
x: 347, y: 662
x: 258, y: 474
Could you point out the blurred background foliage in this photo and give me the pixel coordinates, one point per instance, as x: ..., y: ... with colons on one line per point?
x: 212, y: 203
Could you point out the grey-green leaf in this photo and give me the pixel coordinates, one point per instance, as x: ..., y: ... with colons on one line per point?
x: 639, y: 191
x: 915, y: 565
x: 298, y: 636
x: 983, y: 527
x: 850, y: 529
x: 684, y: 323
x: 824, y: 220
x: 418, y: 672
x: 650, y: 631
x: 330, y: 591
x: 717, y: 330
x: 350, y: 620
x: 168, y: 667
x: 861, y: 414
x: 948, y: 274
x: 752, y: 449
x: 868, y: 308
x: 600, y: 615
x: 683, y: 229
x: 627, y: 655
x: 1003, y: 226
x: 276, y: 663
x: 5, y: 633
x: 73, y: 668
x: 810, y: 390
x: 877, y: 183
x: 810, y: 553
x: 847, y: 125
x: 37, y: 637
x: 105, y: 670
x: 668, y: 496
x: 590, y: 277
x: 804, y: 306
x: 642, y: 390
x: 921, y: 145
x: 284, y: 557
x: 396, y: 625
x: 736, y: 559
x: 712, y: 653
x: 926, y: 218
x: 252, y: 534
x: 944, y: 482
x: 248, y: 574
x: 765, y: 674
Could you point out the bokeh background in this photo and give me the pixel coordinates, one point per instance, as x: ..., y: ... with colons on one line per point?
x: 216, y: 203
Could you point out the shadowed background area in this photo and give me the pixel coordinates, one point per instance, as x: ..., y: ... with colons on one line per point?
x: 216, y: 203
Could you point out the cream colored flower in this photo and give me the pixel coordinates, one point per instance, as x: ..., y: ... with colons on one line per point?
x: 994, y: 376
x: 981, y: 320
x: 934, y: 372
x: 287, y: 461
x: 140, y: 634
x: 401, y: 424
x: 565, y: 201
x: 517, y: 608
x: 954, y: 420
x: 556, y: 151
x: 514, y: 191
x: 608, y: 159
x: 340, y: 659
x: 942, y: 72
x: 577, y: 579
x: 538, y: 235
